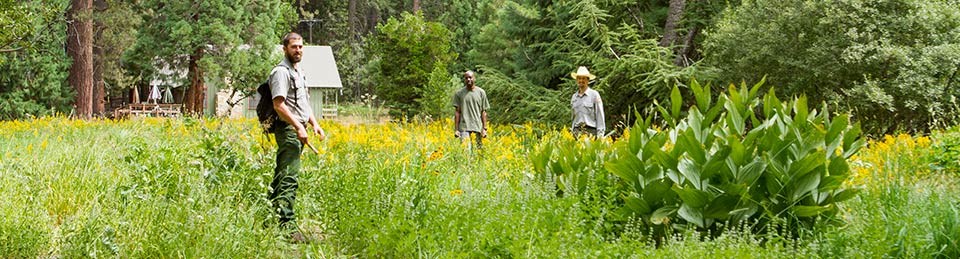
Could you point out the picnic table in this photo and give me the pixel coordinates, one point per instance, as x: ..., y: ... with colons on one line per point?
x: 148, y: 110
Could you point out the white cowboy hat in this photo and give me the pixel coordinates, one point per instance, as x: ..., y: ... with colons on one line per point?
x: 582, y: 71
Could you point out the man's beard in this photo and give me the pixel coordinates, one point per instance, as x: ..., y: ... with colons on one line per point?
x: 294, y: 59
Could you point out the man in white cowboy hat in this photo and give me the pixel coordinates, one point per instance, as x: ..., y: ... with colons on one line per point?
x: 587, y: 106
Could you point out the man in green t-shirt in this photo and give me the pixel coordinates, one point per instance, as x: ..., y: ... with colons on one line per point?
x: 471, y: 106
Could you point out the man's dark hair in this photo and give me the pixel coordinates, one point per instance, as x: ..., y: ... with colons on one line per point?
x: 289, y: 37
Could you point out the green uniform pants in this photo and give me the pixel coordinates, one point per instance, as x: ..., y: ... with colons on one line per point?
x: 285, y: 175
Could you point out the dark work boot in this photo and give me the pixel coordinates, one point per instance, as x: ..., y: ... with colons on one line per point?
x: 297, y: 237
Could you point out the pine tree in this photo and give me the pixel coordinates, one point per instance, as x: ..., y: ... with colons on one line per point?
x: 33, y: 65
x: 80, y: 49
x: 408, y: 50
x: 211, y: 39
x: 115, y: 21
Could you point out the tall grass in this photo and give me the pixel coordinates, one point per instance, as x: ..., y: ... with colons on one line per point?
x: 906, y: 209
x: 197, y: 188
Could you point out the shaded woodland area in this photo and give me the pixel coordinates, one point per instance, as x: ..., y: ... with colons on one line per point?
x: 892, y: 63
x: 738, y: 128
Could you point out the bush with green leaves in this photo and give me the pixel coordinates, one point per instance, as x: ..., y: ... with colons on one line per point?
x: 435, y: 97
x: 34, y: 83
x: 947, y: 151
x: 407, y: 51
x: 572, y: 164
x: 26, y: 23
x: 575, y: 168
x: 539, y: 104
x: 536, y: 44
x: 736, y: 161
x: 893, y: 64
x: 34, y: 65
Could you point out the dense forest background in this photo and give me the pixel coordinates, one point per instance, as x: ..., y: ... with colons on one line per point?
x: 893, y: 64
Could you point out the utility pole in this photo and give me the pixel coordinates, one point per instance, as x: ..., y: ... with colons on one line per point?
x: 310, y: 23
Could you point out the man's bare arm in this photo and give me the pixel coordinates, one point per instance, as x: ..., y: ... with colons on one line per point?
x: 286, y: 116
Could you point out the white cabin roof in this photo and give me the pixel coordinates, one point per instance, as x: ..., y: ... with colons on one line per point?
x: 320, y: 67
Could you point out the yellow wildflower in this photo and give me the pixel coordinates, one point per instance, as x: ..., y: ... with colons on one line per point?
x: 923, y: 141
x: 437, y: 154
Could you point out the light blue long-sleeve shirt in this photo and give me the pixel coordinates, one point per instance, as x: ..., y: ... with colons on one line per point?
x: 588, y: 109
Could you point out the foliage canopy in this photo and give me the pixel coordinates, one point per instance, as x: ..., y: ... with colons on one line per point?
x: 407, y: 51
x: 34, y: 70
x: 892, y: 63
x: 231, y: 42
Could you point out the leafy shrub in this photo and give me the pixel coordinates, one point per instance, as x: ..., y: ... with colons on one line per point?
x: 947, y: 151
x: 575, y: 168
x: 34, y: 80
x: 573, y: 165
x: 724, y: 162
x: 891, y: 63
x: 435, y: 96
x: 407, y: 50
x: 539, y: 104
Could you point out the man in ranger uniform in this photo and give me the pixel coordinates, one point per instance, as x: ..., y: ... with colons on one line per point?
x: 292, y: 104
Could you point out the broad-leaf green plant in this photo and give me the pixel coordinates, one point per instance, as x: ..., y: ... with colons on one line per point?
x: 573, y: 164
x: 734, y: 161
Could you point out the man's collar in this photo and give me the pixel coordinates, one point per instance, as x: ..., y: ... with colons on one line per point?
x: 585, y: 91
x: 286, y: 62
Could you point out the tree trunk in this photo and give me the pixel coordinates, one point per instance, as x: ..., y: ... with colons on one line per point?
x: 373, y: 18
x: 195, y: 95
x: 416, y: 6
x: 80, y: 49
x: 673, y: 19
x: 99, y: 94
x: 352, y: 21
x: 688, y: 53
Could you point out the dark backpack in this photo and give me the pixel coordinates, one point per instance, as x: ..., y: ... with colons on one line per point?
x: 269, y: 119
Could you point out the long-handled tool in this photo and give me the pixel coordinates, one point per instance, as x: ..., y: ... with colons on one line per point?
x: 315, y: 151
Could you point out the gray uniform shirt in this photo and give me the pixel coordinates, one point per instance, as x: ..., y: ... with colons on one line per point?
x: 588, y: 109
x: 290, y: 83
x: 471, y: 104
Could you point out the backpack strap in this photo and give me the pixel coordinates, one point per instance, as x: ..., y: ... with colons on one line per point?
x: 293, y: 81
